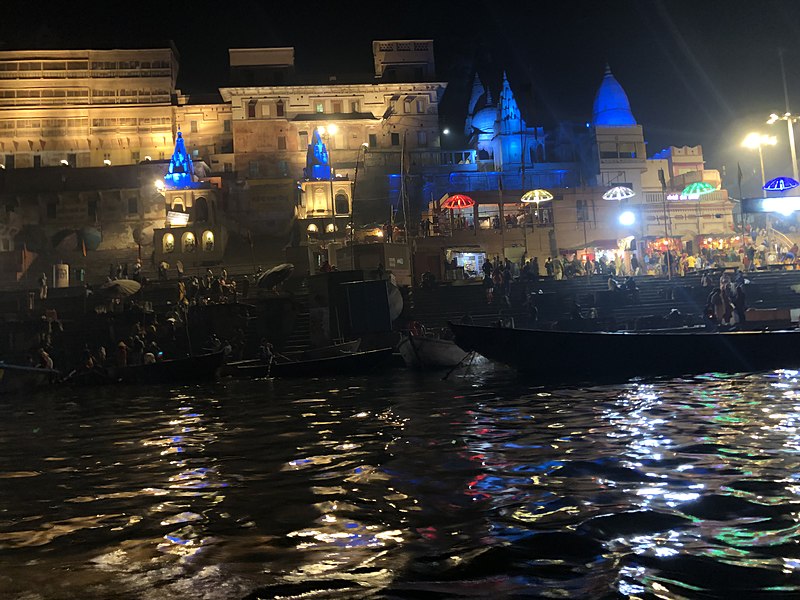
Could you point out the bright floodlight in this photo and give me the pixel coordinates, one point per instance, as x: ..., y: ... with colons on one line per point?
x: 756, y: 140
x: 627, y: 218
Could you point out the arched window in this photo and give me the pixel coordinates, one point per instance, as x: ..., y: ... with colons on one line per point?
x: 312, y: 228
x: 320, y: 201
x: 168, y: 243
x: 201, y: 210
x: 208, y: 241
x: 177, y: 204
x: 342, y: 204
x: 188, y: 242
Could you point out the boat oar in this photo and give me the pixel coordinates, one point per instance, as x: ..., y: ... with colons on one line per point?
x: 468, y: 354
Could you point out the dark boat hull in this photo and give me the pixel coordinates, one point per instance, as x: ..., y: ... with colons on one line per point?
x: 192, y: 369
x: 356, y: 363
x: 18, y: 379
x: 600, y: 356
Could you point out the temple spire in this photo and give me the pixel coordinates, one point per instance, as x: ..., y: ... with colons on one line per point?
x: 181, y: 170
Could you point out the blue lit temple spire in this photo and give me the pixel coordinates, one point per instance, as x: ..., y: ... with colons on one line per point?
x: 611, y: 106
x: 317, y: 164
x: 181, y: 170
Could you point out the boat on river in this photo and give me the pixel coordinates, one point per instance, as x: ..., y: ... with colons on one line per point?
x: 190, y: 369
x: 562, y: 356
x: 256, y: 367
x: 429, y: 351
x: 352, y: 363
x: 18, y: 379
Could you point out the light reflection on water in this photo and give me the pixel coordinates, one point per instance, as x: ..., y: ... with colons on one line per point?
x: 483, y: 485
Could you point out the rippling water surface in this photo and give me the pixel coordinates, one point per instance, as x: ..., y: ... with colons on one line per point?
x: 408, y: 486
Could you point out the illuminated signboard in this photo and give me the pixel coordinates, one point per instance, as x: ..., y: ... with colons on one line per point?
x: 177, y: 219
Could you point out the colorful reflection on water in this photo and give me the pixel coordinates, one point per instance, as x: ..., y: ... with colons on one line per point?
x: 407, y: 486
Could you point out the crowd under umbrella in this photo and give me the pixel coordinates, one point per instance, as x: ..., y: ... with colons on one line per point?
x: 457, y: 202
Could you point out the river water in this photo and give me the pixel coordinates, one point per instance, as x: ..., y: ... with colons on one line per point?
x: 404, y: 486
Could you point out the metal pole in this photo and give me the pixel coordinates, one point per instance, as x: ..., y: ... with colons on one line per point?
x: 789, y: 118
x: 763, y: 178
x: 666, y: 235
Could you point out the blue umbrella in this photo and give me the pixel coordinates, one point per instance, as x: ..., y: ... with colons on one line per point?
x: 780, y: 184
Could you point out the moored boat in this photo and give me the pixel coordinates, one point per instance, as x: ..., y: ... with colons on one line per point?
x: 353, y: 363
x: 429, y: 352
x: 562, y: 356
x: 16, y: 379
x: 189, y: 369
x: 256, y: 367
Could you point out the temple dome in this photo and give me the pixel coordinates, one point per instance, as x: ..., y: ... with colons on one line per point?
x: 611, y: 106
x: 484, y: 119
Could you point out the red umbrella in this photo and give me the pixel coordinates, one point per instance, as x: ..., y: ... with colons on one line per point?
x: 458, y: 201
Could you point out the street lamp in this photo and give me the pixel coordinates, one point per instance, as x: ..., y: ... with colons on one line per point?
x: 755, y: 141
x: 789, y: 118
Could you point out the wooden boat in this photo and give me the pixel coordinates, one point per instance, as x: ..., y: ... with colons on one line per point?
x: 429, y: 352
x: 17, y: 379
x: 189, y: 369
x: 561, y: 356
x: 255, y: 368
x: 354, y: 363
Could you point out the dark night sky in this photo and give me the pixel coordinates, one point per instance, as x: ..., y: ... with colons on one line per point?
x: 696, y: 71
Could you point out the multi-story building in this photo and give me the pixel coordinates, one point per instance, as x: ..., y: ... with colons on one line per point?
x: 377, y: 121
x: 86, y: 108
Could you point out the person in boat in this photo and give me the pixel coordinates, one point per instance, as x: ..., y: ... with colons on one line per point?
x: 739, y: 304
x: 122, y: 354
x: 45, y: 362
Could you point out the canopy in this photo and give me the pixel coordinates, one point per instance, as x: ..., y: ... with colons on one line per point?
x: 275, y: 276
x: 780, y: 184
x: 536, y: 196
x: 120, y: 288
x: 619, y: 193
x: 698, y: 187
x: 458, y: 201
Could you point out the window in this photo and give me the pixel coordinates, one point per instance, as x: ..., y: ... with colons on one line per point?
x: 251, y: 108
x: 422, y: 138
x: 373, y: 140
x: 9, y: 161
x: 341, y: 203
x: 91, y: 208
x: 355, y: 106
x: 320, y: 107
x: 37, y: 160
x: 281, y: 142
x: 133, y: 206
x: 279, y: 110
x: 192, y: 126
x: 608, y: 150
x: 395, y: 139
x: 303, y: 139
x: 226, y: 126
x: 420, y: 106
x: 337, y: 106
x: 627, y: 150
x: 168, y: 243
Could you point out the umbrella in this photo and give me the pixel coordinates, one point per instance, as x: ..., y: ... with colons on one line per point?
x: 780, y: 184
x: 536, y: 196
x: 275, y: 276
x: 91, y: 237
x: 66, y: 239
x: 619, y: 193
x: 143, y: 235
x: 698, y: 187
x: 120, y: 288
x: 458, y: 201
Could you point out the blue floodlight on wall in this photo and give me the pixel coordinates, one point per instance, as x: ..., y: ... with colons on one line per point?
x: 780, y: 184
